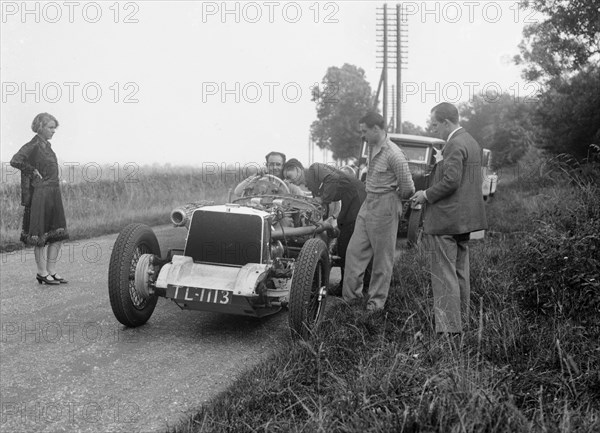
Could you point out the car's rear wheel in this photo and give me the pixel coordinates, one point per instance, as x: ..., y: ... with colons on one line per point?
x: 415, y: 227
x: 309, y: 289
x: 131, y: 304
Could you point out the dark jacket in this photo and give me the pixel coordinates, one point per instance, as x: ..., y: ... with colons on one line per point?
x: 454, y: 198
x: 333, y: 185
x: 27, y: 159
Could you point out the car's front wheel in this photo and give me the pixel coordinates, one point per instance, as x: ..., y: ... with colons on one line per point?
x: 131, y: 303
x: 309, y: 288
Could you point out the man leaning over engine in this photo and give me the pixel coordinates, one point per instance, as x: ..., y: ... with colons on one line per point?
x: 331, y: 185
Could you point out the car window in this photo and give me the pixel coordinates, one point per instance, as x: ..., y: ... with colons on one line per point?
x: 415, y: 154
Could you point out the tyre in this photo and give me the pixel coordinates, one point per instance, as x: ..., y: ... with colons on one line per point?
x: 131, y: 306
x: 415, y: 227
x: 309, y: 289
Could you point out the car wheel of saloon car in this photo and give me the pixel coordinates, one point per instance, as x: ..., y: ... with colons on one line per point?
x: 128, y: 275
x: 309, y: 288
x: 415, y: 227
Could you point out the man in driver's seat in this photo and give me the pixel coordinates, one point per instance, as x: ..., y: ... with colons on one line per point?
x: 274, y: 166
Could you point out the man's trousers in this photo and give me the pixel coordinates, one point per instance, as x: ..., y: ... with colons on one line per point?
x: 449, y: 260
x: 374, y: 237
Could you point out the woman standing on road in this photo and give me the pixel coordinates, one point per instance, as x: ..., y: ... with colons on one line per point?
x: 44, y: 217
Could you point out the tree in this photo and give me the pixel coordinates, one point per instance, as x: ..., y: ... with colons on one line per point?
x: 566, y: 41
x: 562, y: 53
x: 411, y: 128
x: 503, y: 125
x: 568, y: 114
x: 342, y: 99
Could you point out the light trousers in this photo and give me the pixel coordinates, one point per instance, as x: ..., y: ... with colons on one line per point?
x: 449, y: 261
x: 374, y: 237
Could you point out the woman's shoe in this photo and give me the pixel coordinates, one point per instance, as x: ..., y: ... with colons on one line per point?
x: 46, y: 279
x: 60, y: 280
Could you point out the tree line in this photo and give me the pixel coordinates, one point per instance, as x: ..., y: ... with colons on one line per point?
x: 560, y: 53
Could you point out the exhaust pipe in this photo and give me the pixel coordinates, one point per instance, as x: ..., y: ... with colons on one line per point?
x: 302, y: 231
x: 178, y: 217
x: 181, y: 216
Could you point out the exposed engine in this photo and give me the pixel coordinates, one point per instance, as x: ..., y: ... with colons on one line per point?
x: 292, y: 220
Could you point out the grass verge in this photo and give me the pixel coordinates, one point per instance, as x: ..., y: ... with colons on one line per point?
x: 529, y: 361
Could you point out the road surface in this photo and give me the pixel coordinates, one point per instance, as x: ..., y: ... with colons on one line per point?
x: 68, y: 365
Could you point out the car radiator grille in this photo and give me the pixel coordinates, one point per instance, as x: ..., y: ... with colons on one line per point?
x: 225, y: 238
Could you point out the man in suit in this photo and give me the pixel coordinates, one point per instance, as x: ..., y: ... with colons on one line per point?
x: 454, y: 209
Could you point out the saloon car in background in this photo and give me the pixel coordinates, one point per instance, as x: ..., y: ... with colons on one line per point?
x: 490, y: 178
x: 263, y: 251
x: 422, y: 153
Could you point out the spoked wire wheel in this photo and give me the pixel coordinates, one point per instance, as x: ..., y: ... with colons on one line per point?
x: 308, y: 294
x: 130, y: 300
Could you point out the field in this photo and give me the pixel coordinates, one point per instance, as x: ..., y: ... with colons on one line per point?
x: 529, y: 361
x: 103, y: 199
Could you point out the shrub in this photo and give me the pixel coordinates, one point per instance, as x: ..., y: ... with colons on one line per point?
x: 558, y: 264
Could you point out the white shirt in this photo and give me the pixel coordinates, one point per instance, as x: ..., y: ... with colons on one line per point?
x: 452, y: 133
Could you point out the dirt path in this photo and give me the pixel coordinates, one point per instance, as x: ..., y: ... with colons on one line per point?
x: 68, y: 365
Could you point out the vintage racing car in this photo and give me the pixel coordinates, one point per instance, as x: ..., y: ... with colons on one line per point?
x: 261, y: 252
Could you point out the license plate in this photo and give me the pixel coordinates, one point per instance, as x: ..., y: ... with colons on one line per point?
x: 212, y: 296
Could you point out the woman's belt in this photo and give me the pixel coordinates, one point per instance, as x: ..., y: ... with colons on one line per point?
x: 46, y: 183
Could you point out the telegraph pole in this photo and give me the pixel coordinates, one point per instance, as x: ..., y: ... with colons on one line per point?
x: 391, y: 57
x: 401, y: 43
x: 393, y: 118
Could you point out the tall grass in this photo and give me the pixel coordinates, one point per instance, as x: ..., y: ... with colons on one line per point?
x: 529, y: 360
x: 98, y: 205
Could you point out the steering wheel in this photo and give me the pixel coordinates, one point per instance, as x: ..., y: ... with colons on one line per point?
x: 269, y: 178
x: 265, y: 184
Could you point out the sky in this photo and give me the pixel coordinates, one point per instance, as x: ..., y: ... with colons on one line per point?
x: 196, y: 83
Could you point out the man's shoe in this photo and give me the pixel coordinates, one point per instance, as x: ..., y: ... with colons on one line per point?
x: 371, y: 308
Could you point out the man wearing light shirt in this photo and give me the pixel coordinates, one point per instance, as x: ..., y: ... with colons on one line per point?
x: 374, y: 237
x: 454, y: 209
